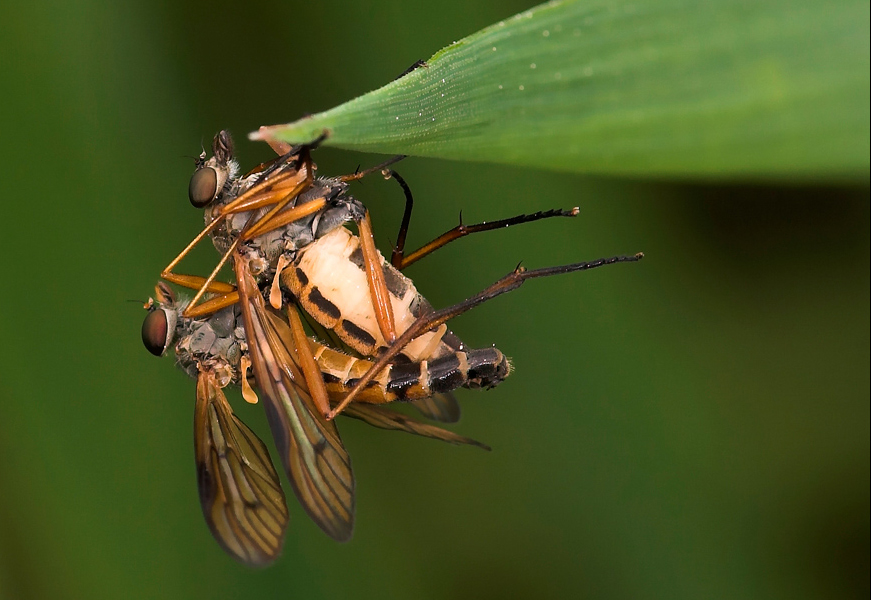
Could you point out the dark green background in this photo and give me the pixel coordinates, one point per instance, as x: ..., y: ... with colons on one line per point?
x: 696, y: 425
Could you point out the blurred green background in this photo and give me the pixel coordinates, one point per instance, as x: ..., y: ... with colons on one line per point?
x: 696, y: 425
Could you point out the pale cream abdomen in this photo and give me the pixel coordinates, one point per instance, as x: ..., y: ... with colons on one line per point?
x: 330, y: 283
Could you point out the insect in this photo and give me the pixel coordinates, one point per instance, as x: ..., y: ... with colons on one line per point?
x: 284, y: 231
x: 299, y: 243
x: 240, y: 492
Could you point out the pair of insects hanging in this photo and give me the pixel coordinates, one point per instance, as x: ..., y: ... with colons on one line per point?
x: 377, y: 340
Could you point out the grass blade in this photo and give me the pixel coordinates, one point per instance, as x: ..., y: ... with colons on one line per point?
x: 662, y: 88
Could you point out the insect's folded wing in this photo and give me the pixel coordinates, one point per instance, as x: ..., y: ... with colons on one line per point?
x: 442, y: 407
x: 385, y: 418
x: 316, y: 462
x: 239, y: 488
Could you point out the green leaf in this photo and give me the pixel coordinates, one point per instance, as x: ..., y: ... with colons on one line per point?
x: 659, y: 88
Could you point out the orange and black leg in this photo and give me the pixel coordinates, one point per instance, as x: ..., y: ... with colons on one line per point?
x: 400, y: 260
x: 510, y: 282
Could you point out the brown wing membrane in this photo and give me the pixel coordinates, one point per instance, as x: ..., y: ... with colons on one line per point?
x: 316, y: 462
x: 385, y: 418
x: 443, y: 407
x: 240, y: 492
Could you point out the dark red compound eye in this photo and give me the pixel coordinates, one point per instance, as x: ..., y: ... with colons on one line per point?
x: 155, y: 332
x: 203, y: 187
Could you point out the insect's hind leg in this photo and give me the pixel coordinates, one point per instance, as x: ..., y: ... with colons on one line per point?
x: 425, y: 323
x: 377, y: 283
x: 416, y: 65
x: 400, y: 261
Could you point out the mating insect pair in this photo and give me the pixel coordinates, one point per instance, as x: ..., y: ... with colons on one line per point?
x: 285, y: 231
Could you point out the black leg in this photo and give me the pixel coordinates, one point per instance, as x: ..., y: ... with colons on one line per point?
x: 417, y: 64
x: 399, y: 248
x: 358, y: 174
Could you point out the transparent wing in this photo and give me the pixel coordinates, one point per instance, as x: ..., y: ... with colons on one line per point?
x: 385, y: 418
x: 442, y: 407
x: 327, y: 335
x: 239, y: 488
x: 316, y: 462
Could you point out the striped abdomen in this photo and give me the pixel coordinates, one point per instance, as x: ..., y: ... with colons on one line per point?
x: 479, y: 368
x: 328, y: 280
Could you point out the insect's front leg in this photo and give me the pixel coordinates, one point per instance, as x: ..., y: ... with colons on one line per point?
x: 227, y: 294
x: 275, y: 188
x: 210, y: 282
x: 191, y: 281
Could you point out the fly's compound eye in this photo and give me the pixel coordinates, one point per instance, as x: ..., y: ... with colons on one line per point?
x: 158, y: 329
x: 203, y: 187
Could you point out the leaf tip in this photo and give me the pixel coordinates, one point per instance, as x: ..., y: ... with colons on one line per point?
x: 262, y: 134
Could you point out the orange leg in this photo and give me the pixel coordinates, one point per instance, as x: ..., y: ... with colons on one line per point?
x: 192, y: 306
x: 279, y: 188
x: 279, y: 147
x: 209, y: 284
x: 195, y: 282
x: 213, y: 305
x: 167, y: 271
x: 283, y: 186
x: 262, y: 194
x: 281, y: 178
x: 271, y: 221
x: 377, y: 285
x: 198, y: 283
x: 227, y: 294
x: 307, y: 364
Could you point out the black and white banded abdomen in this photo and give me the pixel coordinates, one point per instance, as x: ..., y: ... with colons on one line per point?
x: 472, y: 368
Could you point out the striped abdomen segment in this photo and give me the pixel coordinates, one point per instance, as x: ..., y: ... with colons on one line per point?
x: 478, y: 368
x: 328, y: 280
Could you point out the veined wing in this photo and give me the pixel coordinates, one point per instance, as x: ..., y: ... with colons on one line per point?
x: 385, y: 418
x: 442, y: 407
x: 328, y: 335
x: 316, y: 462
x: 240, y: 492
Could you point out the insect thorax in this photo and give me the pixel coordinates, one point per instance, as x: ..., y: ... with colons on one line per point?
x: 215, y: 344
x: 341, y: 208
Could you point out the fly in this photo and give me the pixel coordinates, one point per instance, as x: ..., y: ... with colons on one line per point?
x: 240, y: 492
x: 284, y: 231
x: 290, y: 227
